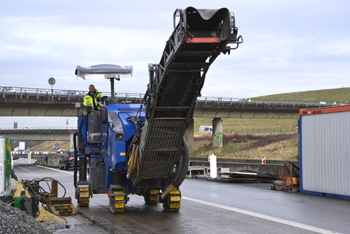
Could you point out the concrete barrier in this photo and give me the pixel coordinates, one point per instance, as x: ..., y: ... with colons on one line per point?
x: 271, y: 167
x: 49, y: 160
x: 53, y: 160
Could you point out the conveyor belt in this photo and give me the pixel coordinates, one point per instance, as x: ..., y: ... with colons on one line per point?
x: 198, y: 38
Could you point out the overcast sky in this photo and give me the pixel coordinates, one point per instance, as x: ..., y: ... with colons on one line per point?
x: 288, y: 46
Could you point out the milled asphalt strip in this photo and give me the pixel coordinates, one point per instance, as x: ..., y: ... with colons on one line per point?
x: 266, y: 217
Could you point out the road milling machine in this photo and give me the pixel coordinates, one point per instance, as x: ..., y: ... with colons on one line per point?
x: 124, y: 149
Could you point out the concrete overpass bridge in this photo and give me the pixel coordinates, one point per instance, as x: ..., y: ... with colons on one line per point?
x: 21, y: 101
x: 35, y: 136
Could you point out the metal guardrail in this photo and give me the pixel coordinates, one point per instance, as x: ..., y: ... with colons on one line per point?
x: 285, y: 129
x: 60, y: 94
x: 265, y: 131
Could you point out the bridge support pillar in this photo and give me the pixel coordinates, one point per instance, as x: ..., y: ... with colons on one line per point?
x: 71, y: 141
x: 218, y: 135
x: 189, y: 136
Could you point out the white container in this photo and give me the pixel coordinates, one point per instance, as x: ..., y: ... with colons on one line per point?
x: 325, y: 151
x: 213, y: 166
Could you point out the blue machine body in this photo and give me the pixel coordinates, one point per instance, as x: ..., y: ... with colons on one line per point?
x: 117, y: 133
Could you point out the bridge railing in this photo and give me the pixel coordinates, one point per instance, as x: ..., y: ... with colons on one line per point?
x: 61, y: 94
x: 258, y: 101
x: 40, y: 128
x: 37, y: 93
x: 64, y: 94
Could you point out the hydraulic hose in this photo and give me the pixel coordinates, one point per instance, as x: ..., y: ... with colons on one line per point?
x: 75, y: 158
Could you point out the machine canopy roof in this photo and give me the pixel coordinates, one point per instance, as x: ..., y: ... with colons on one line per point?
x: 106, y: 70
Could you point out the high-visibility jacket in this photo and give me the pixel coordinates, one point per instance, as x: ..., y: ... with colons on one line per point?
x: 91, y: 100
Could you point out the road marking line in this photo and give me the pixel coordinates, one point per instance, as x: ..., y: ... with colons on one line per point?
x: 262, y: 216
x: 54, y: 169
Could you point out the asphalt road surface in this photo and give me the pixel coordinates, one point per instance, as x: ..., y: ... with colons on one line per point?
x: 206, y: 207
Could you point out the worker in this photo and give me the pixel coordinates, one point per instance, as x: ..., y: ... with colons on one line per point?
x: 90, y: 99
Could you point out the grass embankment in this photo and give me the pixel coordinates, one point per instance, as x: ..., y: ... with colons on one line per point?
x: 340, y: 95
x: 270, y: 139
x: 274, y: 147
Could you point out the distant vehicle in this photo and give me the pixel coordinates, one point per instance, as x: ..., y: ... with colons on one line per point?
x: 205, y: 128
x: 7, y: 89
x: 67, y: 160
x: 70, y: 93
